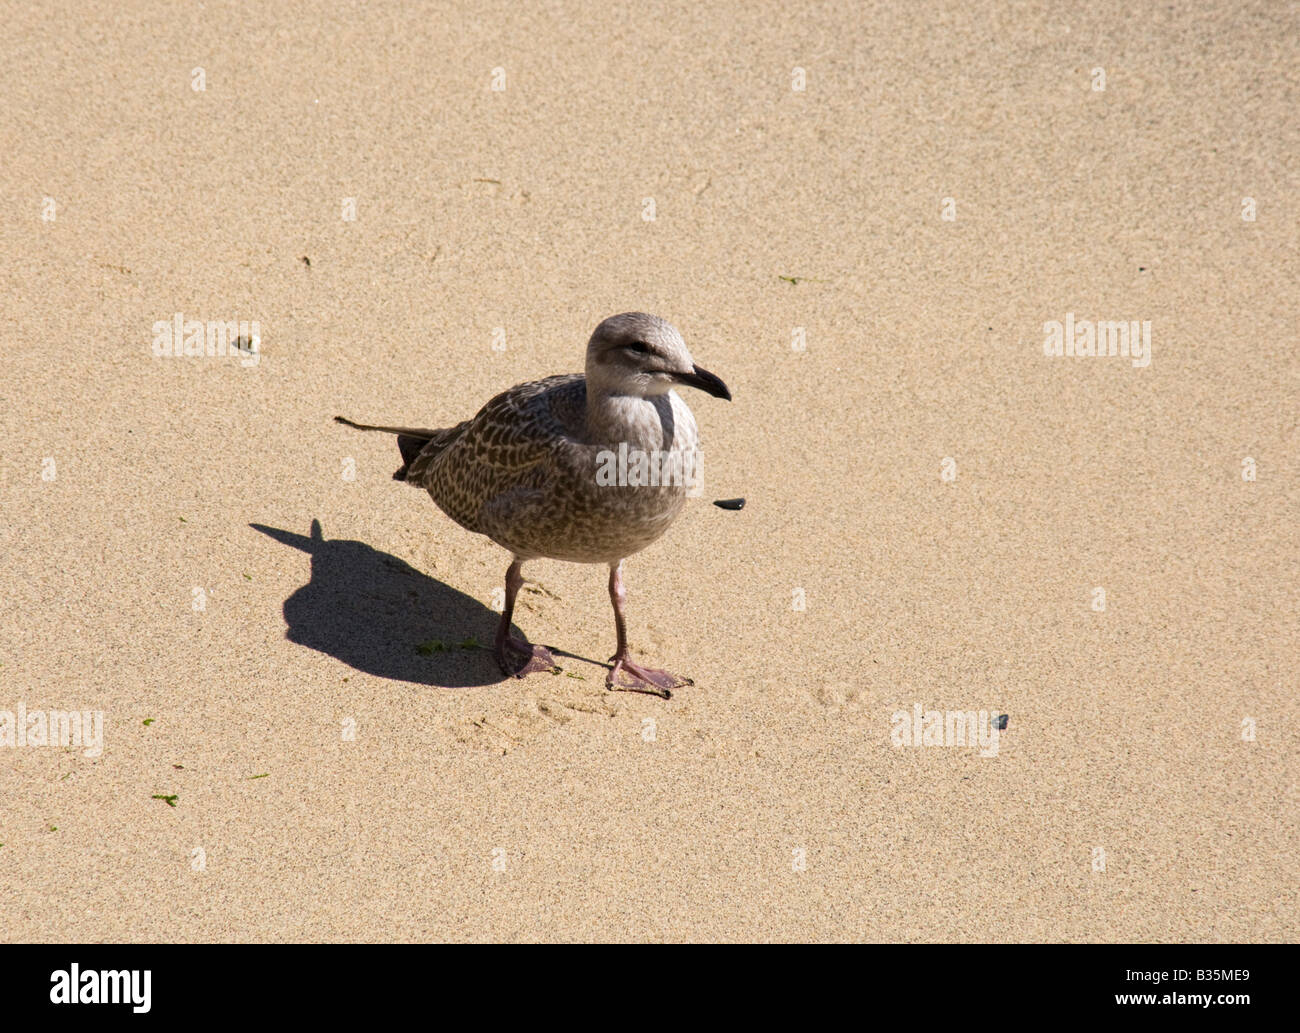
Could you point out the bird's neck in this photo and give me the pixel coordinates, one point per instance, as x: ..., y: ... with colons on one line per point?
x: 645, y: 423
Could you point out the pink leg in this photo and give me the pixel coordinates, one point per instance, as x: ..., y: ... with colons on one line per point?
x: 515, y: 656
x: 625, y: 675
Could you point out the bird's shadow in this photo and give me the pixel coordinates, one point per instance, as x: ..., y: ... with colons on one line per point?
x: 374, y: 612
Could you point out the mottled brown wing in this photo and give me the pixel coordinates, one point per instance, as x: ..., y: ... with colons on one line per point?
x: 421, y: 450
x: 517, y: 441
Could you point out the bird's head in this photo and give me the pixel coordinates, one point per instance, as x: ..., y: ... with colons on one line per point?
x: 642, y: 355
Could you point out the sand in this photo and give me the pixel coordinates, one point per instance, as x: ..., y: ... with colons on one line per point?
x: 328, y: 781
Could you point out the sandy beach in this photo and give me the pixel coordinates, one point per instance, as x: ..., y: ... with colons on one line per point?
x: 878, y: 224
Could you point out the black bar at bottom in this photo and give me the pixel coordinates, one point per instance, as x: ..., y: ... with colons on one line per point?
x: 336, y: 982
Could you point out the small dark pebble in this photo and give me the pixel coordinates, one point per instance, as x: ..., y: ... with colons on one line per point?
x: 1002, y: 720
x: 306, y: 261
x: 244, y: 344
x: 729, y: 503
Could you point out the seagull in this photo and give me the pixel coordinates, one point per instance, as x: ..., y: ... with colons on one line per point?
x: 585, y: 467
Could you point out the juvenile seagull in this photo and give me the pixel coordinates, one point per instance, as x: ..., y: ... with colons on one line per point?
x: 532, y: 470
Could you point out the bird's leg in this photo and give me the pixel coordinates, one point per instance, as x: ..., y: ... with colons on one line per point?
x: 625, y: 675
x: 516, y: 655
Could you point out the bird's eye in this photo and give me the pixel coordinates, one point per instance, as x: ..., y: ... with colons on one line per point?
x: 640, y: 347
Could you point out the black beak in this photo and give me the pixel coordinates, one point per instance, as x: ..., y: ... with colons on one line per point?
x: 705, y: 381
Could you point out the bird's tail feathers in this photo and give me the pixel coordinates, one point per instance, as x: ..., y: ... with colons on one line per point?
x: 410, y: 432
x: 414, y: 443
